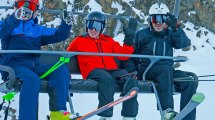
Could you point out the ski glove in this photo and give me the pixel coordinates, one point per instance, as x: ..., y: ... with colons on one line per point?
x: 130, y: 31
x: 68, y: 17
x: 23, y: 13
x: 172, y: 22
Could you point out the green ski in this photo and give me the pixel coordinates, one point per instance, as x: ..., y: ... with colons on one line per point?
x: 196, y: 99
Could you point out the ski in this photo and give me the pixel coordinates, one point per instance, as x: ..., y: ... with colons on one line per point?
x: 132, y: 93
x: 196, y: 99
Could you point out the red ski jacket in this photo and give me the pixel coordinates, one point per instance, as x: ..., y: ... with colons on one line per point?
x: 105, y: 44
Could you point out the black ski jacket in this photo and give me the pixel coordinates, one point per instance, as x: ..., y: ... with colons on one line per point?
x: 148, y: 42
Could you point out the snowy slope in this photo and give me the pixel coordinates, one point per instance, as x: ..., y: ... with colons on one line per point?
x: 201, y: 58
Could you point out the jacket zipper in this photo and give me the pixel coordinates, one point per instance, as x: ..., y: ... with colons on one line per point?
x: 154, y: 48
x: 100, y: 51
x: 100, y: 44
x: 164, y: 48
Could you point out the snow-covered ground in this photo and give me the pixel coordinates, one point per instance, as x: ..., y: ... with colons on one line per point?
x: 200, y: 62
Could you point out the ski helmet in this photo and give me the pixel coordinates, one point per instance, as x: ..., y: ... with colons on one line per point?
x: 33, y: 1
x: 158, y: 8
x: 96, y: 20
x: 32, y: 4
x: 158, y: 13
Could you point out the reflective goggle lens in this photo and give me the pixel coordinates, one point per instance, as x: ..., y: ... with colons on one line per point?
x: 98, y: 26
x: 30, y: 5
x: 158, y: 19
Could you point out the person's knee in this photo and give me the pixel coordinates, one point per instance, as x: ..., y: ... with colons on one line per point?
x: 29, y: 82
x: 193, y: 84
x: 106, y: 79
x: 165, y: 68
x: 63, y: 70
x: 129, y: 83
x: 61, y: 74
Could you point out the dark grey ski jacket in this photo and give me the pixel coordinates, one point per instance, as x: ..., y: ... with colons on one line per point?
x: 149, y: 42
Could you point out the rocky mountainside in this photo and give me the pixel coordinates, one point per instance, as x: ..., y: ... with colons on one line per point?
x: 199, y: 12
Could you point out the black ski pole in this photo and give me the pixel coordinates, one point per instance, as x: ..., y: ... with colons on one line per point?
x: 206, y: 76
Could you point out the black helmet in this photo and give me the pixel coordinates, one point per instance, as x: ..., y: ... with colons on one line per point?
x: 94, y: 17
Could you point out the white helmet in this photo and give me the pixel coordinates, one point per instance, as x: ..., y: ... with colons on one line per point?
x: 158, y: 8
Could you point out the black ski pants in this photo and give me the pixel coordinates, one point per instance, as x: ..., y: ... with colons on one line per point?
x: 163, y: 76
x: 107, y: 81
x: 187, y: 89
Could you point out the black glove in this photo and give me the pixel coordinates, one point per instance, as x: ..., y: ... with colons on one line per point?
x: 172, y: 22
x: 68, y: 17
x: 130, y: 31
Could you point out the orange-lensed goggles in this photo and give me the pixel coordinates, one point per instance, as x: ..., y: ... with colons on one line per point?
x: 30, y: 5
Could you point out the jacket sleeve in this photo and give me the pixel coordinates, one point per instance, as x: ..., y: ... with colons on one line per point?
x: 125, y: 49
x: 53, y: 35
x: 7, y: 26
x: 179, y: 39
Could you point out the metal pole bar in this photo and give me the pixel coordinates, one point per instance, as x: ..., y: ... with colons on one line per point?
x: 70, y: 103
x: 176, y: 8
x: 75, y: 13
x: 70, y: 54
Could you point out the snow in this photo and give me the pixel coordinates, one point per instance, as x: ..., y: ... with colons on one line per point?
x: 138, y: 12
x: 94, y: 6
x: 56, y: 22
x: 201, y: 62
x: 191, y: 12
x: 116, y: 5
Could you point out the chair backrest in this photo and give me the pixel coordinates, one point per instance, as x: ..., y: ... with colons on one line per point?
x: 52, y: 59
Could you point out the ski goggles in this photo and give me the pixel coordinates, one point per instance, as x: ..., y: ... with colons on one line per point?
x: 158, y: 19
x: 98, y: 26
x: 30, y: 5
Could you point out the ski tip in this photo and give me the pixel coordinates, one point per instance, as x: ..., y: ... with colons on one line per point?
x: 198, y: 97
x: 134, y: 91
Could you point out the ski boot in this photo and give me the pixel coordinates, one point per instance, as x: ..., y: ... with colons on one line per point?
x: 60, y: 115
x: 169, y: 114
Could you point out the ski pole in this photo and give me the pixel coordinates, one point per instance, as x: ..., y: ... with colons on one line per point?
x: 193, y: 80
x: 62, y: 61
x: 206, y: 76
x: 9, y: 96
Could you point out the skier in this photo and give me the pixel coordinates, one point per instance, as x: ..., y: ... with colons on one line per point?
x: 162, y: 35
x: 104, y: 68
x: 21, y: 31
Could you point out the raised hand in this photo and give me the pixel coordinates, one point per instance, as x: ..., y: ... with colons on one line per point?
x: 172, y: 22
x: 68, y: 17
x: 130, y: 31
